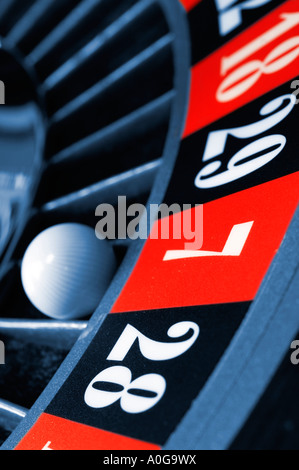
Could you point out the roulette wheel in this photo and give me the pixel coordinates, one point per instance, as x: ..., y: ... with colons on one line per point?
x: 190, y: 104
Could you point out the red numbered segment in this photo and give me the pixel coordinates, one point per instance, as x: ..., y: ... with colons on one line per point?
x: 54, y: 433
x: 241, y: 235
x: 189, y: 4
x: 258, y: 60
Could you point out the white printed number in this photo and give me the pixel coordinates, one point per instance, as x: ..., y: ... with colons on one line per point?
x: 245, y: 76
x: 135, y: 396
x: 233, y: 246
x: 251, y: 157
x: 230, y: 14
x: 115, y: 383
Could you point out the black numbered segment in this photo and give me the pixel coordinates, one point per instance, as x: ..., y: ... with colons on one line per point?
x: 215, y: 22
x: 251, y: 146
x: 142, y: 370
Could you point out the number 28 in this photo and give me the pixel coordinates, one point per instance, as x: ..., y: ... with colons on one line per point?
x: 115, y: 383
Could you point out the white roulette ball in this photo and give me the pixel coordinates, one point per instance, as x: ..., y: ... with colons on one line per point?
x: 66, y: 270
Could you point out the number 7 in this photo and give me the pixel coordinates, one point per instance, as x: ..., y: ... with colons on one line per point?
x: 233, y: 247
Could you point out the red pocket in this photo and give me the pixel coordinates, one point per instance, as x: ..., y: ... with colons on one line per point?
x: 241, y: 235
x: 260, y: 59
x: 189, y: 4
x: 53, y: 433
